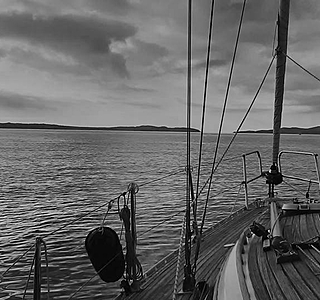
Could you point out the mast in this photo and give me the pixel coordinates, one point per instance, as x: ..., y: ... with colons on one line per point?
x: 283, y: 23
x: 283, y: 249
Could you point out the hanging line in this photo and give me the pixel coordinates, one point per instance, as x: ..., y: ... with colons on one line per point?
x: 223, y: 113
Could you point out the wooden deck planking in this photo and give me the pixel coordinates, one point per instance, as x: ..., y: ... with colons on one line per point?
x: 270, y: 281
x: 287, y: 229
x: 160, y: 284
x: 290, y: 280
x: 313, y: 261
x: 285, y: 284
x: 316, y: 218
x: 307, y: 275
x: 254, y: 271
x: 298, y: 282
x: 311, y: 227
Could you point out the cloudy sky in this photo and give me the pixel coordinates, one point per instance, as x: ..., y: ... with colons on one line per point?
x: 123, y: 62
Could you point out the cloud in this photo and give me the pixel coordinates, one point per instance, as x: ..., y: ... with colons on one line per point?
x: 305, y: 9
x: 305, y: 103
x: 213, y: 63
x: 18, y: 102
x: 296, y: 83
x: 135, y: 89
x: 115, y: 6
x: 86, y: 39
x: 313, y: 102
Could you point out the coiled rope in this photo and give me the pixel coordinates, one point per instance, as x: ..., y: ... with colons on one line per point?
x: 133, y: 267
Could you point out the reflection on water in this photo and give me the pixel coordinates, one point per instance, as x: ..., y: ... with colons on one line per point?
x: 51, y: 178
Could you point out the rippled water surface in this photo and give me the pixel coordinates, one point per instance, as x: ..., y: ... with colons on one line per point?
x: 56, y: 184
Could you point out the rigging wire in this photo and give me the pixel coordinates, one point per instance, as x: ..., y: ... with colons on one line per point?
x: 188, y: 283
x: 175, y: 286
x: 162, y: 222
x: 223, y: 112
x: 236, y: 200
x: 241, y: 123
x: 93, y: 276
x: 80, y: 217
x: 300, y: 66
x: 293, y: 187
x: 163, y: 177
x: 16, y: 261
x: 85, y: 215
x: 28, y: 279
x: 247, y: 112
x: 205, y: 90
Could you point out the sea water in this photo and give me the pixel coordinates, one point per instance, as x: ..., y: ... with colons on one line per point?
x: 57, y: 185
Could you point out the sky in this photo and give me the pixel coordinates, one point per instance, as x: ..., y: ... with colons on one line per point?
x: 124, y: 62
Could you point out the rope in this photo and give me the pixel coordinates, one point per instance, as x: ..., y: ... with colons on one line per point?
x: 28, y: 279
x: 110, y: 204
x: 47, y: 267
x: 133, y: 267
x: 31, y: 267
x: 175, y: 287
x: 223, y: 112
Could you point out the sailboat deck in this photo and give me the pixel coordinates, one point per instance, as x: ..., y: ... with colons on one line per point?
x: 159, y: 281
x: 290, y: 280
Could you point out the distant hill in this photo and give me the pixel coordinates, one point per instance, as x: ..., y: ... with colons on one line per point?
x: 118, y: 128
x: 288, y: 130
